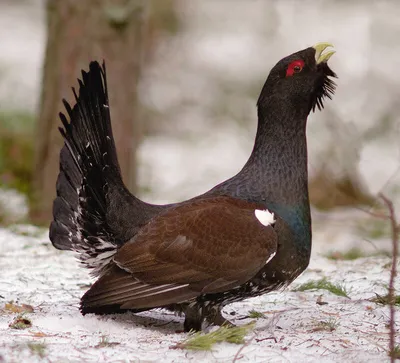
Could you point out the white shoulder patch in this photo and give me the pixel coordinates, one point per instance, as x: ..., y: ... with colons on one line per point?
x: 265, y: 217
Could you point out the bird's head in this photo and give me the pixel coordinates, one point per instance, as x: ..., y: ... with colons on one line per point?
x: 301, y: 80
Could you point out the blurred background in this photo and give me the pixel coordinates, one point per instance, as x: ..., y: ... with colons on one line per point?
x: 184, y: 77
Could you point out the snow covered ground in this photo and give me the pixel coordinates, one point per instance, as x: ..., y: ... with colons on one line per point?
x: 309, y: 326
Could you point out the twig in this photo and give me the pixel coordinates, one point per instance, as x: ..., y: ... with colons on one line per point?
x: 269, y: 338
x: 395, y: 241
x: 246, y: 344
x: 379, y: 215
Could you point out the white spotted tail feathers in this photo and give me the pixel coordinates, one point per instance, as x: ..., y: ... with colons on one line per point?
x: 89, y: 171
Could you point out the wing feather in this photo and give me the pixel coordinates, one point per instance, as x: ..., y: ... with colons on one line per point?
x: 205, y: 246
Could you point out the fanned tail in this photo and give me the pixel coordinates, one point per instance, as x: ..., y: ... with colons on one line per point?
x: 88, y: 169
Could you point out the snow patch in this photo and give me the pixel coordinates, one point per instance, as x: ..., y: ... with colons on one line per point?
x: 35, y: 273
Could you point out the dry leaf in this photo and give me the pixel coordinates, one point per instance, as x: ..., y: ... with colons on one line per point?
x: 39, y: 334
x: 14, y: 308
x: 320, y: 302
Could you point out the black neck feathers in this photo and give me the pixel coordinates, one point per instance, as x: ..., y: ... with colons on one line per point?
x: 276, y: 172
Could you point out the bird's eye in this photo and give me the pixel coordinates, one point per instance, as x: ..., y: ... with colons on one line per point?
x: 294, y: 67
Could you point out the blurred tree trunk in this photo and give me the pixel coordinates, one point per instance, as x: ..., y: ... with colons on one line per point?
x: 78, y: 32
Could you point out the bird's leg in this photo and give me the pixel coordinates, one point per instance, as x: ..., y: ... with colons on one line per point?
x: 193, y: 318
x: 215, y: 317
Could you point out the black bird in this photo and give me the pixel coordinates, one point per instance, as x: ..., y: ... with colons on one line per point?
x: 248, y: 235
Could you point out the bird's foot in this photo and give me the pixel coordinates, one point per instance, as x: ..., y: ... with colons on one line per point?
x: 193, y: 319
x: 195, y: 315
x: 218, y: 319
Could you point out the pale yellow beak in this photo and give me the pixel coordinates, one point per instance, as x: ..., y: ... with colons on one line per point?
x: 319, y: 55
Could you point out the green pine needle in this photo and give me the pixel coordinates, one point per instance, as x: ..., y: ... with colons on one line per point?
x: 385, y: 299
x: 324, y: 284
x: 38, y: 349
x: 200, y: 341
x: 254, y: 314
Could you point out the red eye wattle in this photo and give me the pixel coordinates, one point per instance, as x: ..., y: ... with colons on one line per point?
x: 294, y: 67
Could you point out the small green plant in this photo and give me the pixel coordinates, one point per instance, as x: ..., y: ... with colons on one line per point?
x: 326, y: 325
x: 104, y: 342
x: 385, y: 300
x: 200, y: 341
x: 38, y: 349
x: 387, y: 265
x: 324, y: 284
x: 374, y: 229
x: 395, y: 354
x: 20, y: 322
x: 254, y: 314
x: 351, y: 254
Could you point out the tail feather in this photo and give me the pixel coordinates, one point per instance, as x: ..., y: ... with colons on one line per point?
x: 88, y: 164
x: 93, y: 213
x: 69, y: 178
x: 63, y: 228
x: 90, y: 126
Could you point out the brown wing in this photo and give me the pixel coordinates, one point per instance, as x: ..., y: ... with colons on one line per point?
x: 203, y: 246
